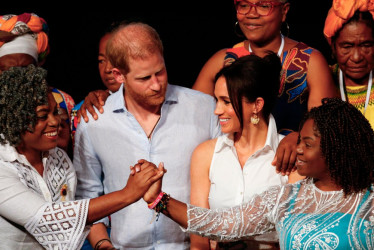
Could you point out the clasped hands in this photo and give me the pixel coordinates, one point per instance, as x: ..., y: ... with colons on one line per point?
x: 145, y: 180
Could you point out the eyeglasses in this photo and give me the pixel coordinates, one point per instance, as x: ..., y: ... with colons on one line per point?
x: 263, y: 8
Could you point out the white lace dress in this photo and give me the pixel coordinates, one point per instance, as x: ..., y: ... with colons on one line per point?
x: 303, y: 216
x: 36, y: 211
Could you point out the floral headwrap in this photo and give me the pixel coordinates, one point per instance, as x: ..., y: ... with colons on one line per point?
x: 12, y: 26
x: 341, y: 11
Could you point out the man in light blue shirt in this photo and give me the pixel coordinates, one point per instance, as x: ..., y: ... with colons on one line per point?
x: 147, y: 118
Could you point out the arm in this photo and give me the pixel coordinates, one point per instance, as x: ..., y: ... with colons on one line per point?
x: 320, y: 84
x: 205, y: 79
x: 320, y: 81
x: 200, y: 184
x: 229, y: 224
x: 96, y: 99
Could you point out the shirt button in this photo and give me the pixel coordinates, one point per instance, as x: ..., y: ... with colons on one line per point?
x: 158, y: 242
x: 241, y: 193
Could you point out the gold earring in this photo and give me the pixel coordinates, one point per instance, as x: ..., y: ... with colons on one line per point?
x: 255, y: 119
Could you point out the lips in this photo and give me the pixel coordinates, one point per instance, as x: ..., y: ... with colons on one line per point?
x: 299, y: 162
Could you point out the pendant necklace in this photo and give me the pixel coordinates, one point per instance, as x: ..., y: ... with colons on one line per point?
x: 279, y: 50
x: 343, y: 90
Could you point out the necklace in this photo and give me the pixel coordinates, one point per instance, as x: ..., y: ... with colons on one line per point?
x: 279, y: 50
x: 342, y: 88
x: 150, y: 134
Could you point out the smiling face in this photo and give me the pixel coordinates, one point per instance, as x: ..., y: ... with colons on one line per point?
x: 262, y: 29
x: 105, y: 68
x: 354, y: 52
x: 44, y: 136
x: 228, y: 119
x: 310, y: 161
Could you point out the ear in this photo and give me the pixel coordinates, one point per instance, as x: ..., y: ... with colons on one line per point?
x: 120, y: 78
x: 259, y: 104
x: 285, y: 9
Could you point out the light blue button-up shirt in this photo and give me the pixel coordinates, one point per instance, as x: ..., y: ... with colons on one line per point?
x: 105, y: 148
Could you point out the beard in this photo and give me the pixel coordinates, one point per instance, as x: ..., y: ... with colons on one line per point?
x: 147, y: 99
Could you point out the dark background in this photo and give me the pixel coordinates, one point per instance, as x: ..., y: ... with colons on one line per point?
x: 191, y: 32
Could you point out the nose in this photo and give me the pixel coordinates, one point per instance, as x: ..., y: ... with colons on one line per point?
x: 155, y: 83
x: 299, y: 150
x: 218, y: 109
x: 357, y: 55
x: 54, y: 120
x: 108, y: 67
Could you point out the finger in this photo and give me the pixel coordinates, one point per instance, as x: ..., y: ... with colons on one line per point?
x: 161, y: 167
x: 102, y: 96
x: 292, y: 161
x: 132, y: 170
x: 94, y: 101
x: 141, y: 161
x: 83, y: 112
x: 156, y: 177
x: 285, y: 161
x: 279, y: 157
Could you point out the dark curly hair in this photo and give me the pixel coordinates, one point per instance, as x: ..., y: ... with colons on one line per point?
x: 347, y: 143
x: 22, y: 90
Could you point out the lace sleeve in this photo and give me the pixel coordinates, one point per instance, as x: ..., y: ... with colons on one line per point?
x: 60, y: 225
x: 240, y: 222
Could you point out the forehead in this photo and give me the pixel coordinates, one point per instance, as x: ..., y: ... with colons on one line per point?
x: 309, y: 129
x: 51, y: 102
x: 220, y: 88
x: 356, y: 30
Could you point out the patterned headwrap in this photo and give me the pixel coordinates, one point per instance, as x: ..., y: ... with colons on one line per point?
x: 341, y: 11
x: 64, y: 101
x: 12, y: 26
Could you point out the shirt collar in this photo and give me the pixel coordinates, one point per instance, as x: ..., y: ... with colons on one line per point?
x: 9, y: 153
x: 272, y: 139
x: 119, y: 100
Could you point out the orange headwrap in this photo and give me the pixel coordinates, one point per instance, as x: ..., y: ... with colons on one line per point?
x: 27, y: 23
x: 341, y: 11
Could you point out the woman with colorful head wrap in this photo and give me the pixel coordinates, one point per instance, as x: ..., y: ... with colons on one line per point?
x: 349, y: 29
x: 24, y: 41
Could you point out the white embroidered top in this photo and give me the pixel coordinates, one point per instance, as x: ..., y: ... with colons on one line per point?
x: 39, y: 212
x: 303, y: 216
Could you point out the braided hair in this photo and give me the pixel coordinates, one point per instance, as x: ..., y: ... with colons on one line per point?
x: 22, y: 89
x: 347, y: 143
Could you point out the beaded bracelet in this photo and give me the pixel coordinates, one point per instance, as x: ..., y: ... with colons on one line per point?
x: 159, y: 205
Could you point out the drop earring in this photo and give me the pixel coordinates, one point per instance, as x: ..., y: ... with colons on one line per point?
x: 255, y: 119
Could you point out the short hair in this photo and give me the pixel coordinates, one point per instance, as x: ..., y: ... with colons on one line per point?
x: 347, y: 143
x: 250, y: 77
x: 22, y: 89
x: 134, y: 40
x: 358, y: 16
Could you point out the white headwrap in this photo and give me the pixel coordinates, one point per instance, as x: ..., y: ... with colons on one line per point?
x: 25, y: 44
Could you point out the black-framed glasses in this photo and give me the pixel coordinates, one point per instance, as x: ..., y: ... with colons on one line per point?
x: 263, y: 8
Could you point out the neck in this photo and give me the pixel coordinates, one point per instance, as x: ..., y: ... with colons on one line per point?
x: 356, y: 82
x: 141, y: 109
x: 252, y: 137
x: 34, y: 157
x: 261, y: 48
x: 327, y: 184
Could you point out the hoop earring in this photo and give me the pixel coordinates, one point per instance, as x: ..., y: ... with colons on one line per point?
x: 255, y: 119
x: 237, y: 30
x: 286, y: 28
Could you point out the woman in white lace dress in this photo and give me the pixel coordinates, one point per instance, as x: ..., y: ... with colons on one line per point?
x: 37, y: 179
x: 333, y: 208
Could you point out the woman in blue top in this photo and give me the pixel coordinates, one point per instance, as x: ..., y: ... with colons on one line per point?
x: 331, y: 209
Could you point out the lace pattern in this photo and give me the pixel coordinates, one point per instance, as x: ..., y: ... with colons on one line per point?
x: 304, y: 217
x: 60, y: 225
